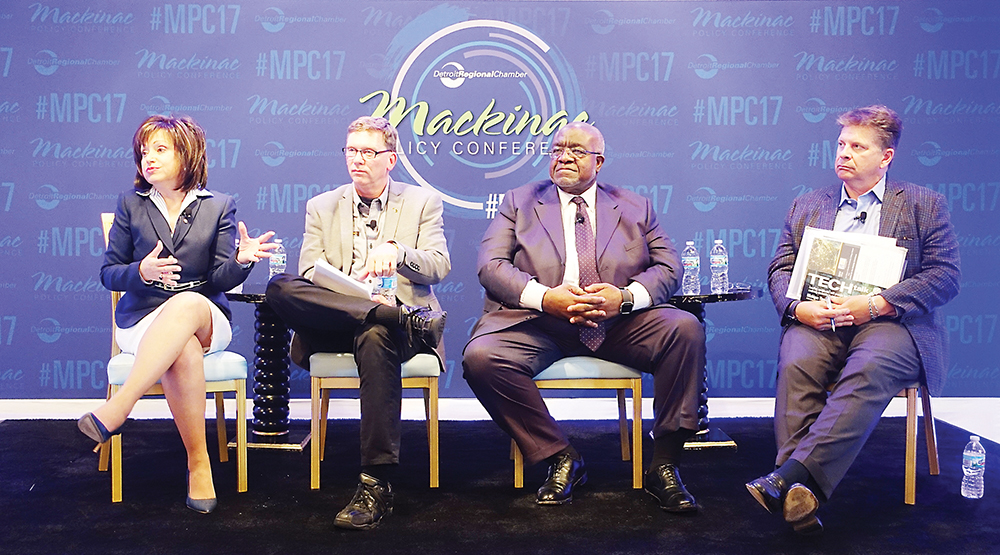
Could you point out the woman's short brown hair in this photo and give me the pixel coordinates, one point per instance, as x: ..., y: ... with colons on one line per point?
x: 189, y: 142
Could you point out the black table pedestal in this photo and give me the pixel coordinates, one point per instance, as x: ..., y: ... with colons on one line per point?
x: 271, y: 364
x: 270, y: 425
x: 708, y: 437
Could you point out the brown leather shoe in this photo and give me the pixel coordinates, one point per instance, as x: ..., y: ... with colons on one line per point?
x: 800, y: 510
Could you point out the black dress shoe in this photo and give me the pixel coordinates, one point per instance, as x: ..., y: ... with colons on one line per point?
x: 664, y: 483
x: 564, y: 475
x: 800, y: 510
x: 372, y: 501
x: 769, y: 491
x: 423, y: 324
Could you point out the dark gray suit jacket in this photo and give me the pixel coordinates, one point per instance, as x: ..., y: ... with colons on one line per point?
x: 203, y: 244
x: 919, y: 220
x: 525, y: 241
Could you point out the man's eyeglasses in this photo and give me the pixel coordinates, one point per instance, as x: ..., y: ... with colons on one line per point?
x: 366, y: 153
x: 576, y: 152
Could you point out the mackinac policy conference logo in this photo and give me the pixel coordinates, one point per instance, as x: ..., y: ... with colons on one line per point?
x: 476, y: 104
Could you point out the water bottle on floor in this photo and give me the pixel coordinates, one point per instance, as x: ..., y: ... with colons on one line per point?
x: 691, y: 261
x: 276, y: 264
x: 973, y: 465
x: 718, y: 259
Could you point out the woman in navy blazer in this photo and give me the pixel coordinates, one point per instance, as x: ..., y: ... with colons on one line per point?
x: 171, y: 250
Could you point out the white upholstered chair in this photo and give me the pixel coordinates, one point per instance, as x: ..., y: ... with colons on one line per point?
x: 224, y: 371
x: 584, y: 372
x: 338, y: 371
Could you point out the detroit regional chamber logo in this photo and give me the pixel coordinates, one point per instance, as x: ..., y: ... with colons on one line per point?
x: 476, y: 105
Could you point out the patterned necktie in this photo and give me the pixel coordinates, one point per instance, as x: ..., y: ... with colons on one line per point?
x: 586, y: 256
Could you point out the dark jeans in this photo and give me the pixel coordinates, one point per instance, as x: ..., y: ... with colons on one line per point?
x: 326, y: 321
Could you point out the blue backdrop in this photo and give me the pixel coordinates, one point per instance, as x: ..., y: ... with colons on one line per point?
x: 720, y: 112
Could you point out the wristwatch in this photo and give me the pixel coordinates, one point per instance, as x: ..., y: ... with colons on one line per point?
x: 791, y: 311
x: 627, y: 301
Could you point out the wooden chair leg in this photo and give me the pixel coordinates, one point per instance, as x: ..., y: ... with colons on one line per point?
x: 315, y: 447
x: 104, y: 456
x: 115, y: 457
x: 623, y: 425
x: 431, y: 410
x: 105, y: 448
x: 930, y: 432
x: 518, y: 465
x: 324, y: 411
x: 910, y: 470
x: 241, y: 436
x: 220, y: 427
x: 116, y: 468
x: 637, y: 434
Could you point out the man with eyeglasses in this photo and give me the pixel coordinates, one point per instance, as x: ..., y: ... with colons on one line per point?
x: 573, y: 266
x: 368, y: 228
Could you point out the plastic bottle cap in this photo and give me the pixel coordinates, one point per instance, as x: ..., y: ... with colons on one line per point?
x: 974, y: 438
x: 689, y: 243
x: 277, y: 240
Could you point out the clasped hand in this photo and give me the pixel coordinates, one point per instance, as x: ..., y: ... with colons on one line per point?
x: 844, y: 311
x: 583, y: 306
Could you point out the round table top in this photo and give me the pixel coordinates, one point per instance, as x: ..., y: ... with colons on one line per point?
x: 255, y: 298
x: 736, y: 293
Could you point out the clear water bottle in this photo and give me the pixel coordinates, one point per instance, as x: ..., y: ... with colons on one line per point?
x: 386, y: 287
x: 973, y: 465
x: 238, y: 288
x: 719, y: 261
x: 276, y: 264
x: 691, y: 261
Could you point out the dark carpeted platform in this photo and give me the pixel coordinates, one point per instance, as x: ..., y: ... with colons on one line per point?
x: 53, y: 499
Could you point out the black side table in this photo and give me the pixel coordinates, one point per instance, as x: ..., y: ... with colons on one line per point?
x: 708, y: 436
x: 271, y: 377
